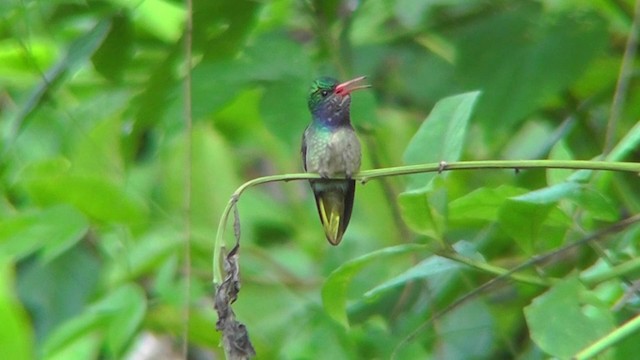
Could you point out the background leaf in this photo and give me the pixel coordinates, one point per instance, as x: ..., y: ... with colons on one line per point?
x: 561, y: 323
x: 420, y: 215
x: 53, y: 231
x: 532, y: 226
x: 15, y: 336
x: 334, y: 291
x: 514, y: 90
x: 441, y: 136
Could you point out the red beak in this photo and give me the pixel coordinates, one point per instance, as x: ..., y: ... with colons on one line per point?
x: 347, y: 87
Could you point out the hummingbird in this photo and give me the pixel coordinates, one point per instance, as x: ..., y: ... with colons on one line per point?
x: 331, y: 148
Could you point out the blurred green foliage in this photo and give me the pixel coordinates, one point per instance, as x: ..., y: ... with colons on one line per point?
x: 93, y: 168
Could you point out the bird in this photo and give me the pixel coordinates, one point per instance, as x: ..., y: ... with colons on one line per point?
x: 331, y: 148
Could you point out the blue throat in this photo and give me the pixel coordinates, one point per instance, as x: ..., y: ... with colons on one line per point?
x: 331, y: 119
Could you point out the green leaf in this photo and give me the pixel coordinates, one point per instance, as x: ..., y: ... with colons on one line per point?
x: 83, y: 47
x: 272, y: 58
x: 551, y: 194
x: 335, y: 289
x: 70, y: 227
x: 561, y: 323
x: 119, y: 314
x: 533, y: 226
x: 363, y: 110
x: 16, y: 338
x: 368, y: 26
x: 215, y: 84
x: 540, y: 55
x: 410, y: 13
x: 429, y: 267
x: 160, y: 89
x: 219, y: 31
x: 329, y: 10
x: 627, y: 145
x: 284, y: 109
x: 148, y: 252
x: 79, y: 52
x: 161, y: 18
x: 420, y: 215
x: 127, y: 306
x: 213, y: 177
x: 58, y: 290
x: 240, y: 119
x: 86, y: 345
x: 73, y: 332
x: 482, y: 204
x: 116, y: 51
x: 560, y: 151
x: 94, y: 195
x: 221, y: 27
x: 53, y: 230
x: 200, y: 321
x: 596, y: 204
x: 531, y: 141
x: 467, y: 331
x: 622, y: 149
x: 42, y: 52
x: 440, y: 137
x: 97, y: 151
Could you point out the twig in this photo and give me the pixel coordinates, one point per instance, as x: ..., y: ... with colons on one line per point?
x: 188, y: 125
x: 624, y: 77
x: 492, y: 269
x: 367, y: 175
x: 630, y: 327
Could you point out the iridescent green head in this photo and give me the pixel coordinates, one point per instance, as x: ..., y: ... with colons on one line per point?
x: 329, y: 100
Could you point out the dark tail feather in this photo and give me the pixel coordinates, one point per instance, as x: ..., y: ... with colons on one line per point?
x: 334, y: 200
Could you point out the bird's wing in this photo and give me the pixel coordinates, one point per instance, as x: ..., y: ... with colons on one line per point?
x: 303, y: 149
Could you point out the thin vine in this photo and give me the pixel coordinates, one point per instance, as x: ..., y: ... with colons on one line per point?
x: 367, y: 175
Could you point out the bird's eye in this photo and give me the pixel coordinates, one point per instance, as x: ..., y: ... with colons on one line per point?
x: 324, y: 93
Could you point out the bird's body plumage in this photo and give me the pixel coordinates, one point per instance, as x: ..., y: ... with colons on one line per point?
x: 332, y: 151
x: 331, y: 148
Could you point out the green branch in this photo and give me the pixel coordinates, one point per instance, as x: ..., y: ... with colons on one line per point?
x: 606, y: 342
x: 495, y: 270
x: 365, y: 176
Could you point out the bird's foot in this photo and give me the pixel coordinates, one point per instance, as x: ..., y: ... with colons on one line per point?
x: 442, y: 166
